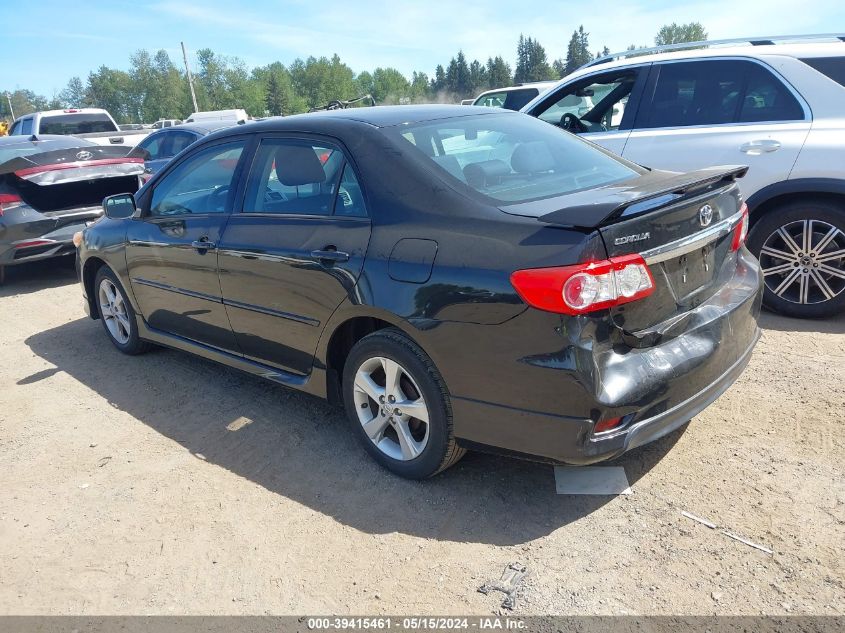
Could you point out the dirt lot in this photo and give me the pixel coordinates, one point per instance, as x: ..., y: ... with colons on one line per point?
x: 167, y: 484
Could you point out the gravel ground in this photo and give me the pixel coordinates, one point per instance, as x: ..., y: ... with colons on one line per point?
x: 167, y: 484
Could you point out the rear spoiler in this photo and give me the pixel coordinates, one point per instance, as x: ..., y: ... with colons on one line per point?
x: 597, y: 207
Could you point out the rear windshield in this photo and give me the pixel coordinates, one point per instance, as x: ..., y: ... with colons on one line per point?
x: 513, y: 158
x: 28, y: 148
x: 833, y: 67
x: 81, y: 123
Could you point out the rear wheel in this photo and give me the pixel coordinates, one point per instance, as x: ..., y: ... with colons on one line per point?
x: 801, y: 247
x: 398, y: 405
x: 116, y: 313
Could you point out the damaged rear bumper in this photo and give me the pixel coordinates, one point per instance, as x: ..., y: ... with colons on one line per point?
x: 654, y: 390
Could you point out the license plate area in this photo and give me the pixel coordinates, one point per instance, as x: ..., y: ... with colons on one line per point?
x: 690, y: 272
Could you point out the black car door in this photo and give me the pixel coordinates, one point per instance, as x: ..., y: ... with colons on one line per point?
x: 171, y: 251
x: 294, y: 250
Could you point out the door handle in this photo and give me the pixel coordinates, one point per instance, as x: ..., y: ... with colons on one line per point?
x: 330, y: 255
x: 755, y: 148
x: 203, y: 244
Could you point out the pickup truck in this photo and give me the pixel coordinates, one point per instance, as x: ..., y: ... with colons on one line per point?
x: 93, y: 124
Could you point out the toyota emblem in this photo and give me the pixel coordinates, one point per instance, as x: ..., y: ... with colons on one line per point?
x: 705, y: 215
x: 84, y: 155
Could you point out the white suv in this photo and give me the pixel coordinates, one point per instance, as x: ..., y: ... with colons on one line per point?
x: 777, y: 107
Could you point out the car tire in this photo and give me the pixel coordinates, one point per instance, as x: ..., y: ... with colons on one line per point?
x: 116, y: 313
x: 799, y: 282
x: 417, y: 442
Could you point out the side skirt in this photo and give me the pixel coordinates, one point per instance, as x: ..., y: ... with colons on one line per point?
x: 310, y: 384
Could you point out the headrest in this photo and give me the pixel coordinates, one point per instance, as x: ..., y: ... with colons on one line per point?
x: 531, y: 158
x: 298, y: 165
x: 487, y: 172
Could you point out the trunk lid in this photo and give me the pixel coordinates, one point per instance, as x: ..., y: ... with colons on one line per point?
x: 61, y: 182
x: 682, y: 225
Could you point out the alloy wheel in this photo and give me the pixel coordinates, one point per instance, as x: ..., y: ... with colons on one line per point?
x: 804, y: 261
x: 113, y: 311
x: 391, y: 408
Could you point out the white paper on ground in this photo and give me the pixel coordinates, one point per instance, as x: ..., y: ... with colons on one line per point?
x: 591, y: 480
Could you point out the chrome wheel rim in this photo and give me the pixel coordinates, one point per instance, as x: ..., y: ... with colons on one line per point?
x: 804, y: 261
x: 113, y: 312
x: 391, y: 408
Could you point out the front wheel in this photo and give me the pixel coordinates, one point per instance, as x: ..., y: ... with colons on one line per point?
x: 116, y: 313
x: 801, y: 248
x: 398, y: 405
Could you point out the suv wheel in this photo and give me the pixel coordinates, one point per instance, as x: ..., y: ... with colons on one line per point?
x: 801, y: 247
x: 398, y: 405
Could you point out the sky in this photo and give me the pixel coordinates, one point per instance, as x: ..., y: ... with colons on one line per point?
x: 51, y: 41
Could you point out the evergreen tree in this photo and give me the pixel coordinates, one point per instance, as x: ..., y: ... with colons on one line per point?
x: 578, y: 51
x: 498, y: 73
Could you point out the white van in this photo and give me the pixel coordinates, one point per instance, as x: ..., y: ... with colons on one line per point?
x: 236, y: 116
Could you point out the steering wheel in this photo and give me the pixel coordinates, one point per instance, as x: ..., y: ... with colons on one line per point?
x: 572, y: 123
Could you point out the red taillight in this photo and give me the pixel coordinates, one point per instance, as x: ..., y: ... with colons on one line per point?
x: 9, y: 201
x: 607, y: 425
x: 741, y: 229
x: 585, y: 287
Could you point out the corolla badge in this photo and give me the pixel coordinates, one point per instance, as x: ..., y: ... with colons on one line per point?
x: 705, y: 215
x: 627, y: 239
x: 84, y: 155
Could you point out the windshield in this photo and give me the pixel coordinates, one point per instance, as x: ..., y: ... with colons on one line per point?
x: 82, y: 123
x: 513, y: 158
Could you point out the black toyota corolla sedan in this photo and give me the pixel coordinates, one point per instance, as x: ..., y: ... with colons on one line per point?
x: 457, y: 278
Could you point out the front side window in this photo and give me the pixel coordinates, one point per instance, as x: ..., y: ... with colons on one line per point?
x: 292, y: 176
x: 511, y: 158
x: 598, y: 102
x: 716, y: 92
x: 26, y: 127
x: 152, y: 145
x: 200, y: 184
x: 179, y: 141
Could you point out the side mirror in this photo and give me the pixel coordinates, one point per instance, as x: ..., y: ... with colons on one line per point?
x: 120, y: 206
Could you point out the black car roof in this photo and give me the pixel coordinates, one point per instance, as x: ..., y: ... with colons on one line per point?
x: 377, y: 116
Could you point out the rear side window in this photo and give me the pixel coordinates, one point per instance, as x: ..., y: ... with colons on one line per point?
x: 80, y: 123
x: 833, y: 67
x: 518, y: 98
x: 291, y: 176
x: 716, y: 92
x: 492, y: 100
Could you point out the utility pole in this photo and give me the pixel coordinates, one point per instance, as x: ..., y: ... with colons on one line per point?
x: 190, y: 79
x: 11, y: 109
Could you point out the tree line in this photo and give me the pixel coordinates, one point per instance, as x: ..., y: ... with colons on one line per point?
x: 155, y: 88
